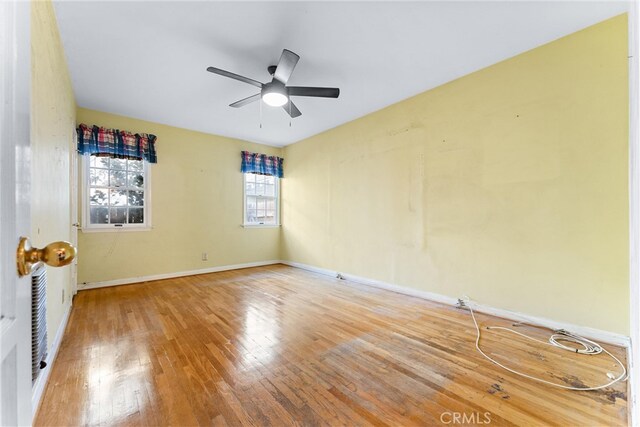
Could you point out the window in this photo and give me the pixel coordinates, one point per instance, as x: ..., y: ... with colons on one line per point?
x: 116, y: 193
x: 261, y: 203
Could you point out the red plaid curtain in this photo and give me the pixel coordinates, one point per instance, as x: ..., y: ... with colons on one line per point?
x: 261, y: 164
x: 99, y: 141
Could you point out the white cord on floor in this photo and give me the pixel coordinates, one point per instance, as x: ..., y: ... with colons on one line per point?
x: 589, y: 347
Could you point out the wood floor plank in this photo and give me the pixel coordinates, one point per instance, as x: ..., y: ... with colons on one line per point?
x: 281, y: 346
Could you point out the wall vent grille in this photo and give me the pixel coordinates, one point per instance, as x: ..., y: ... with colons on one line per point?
x: 38, y: 320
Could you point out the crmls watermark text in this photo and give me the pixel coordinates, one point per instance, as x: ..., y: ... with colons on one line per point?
x: 465, y: 418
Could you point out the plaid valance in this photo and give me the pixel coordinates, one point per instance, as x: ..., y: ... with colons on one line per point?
x: 261, y: 164
x: 120, y: 144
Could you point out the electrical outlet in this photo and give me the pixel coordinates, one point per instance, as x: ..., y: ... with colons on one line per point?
x: 205, y: 256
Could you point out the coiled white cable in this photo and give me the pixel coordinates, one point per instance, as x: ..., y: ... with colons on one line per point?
x: 589, y: 348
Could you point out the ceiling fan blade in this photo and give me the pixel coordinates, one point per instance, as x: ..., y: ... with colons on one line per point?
x: 322, y: 92
x: 245, y: 101
x: 234, y: 76
x: 291, y: 109
x: 287, y: 63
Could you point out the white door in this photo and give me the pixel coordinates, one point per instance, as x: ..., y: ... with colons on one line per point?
x: 15, y: 173
x: 73, y: 175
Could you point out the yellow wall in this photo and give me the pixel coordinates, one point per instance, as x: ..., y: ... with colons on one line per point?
x: 53, y: 111
x: 196, y: 189
x: 508, y: 185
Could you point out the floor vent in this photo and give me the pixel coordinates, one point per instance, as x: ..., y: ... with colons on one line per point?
x: 38, y: 321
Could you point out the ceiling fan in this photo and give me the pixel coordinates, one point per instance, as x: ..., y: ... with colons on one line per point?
x: 276, y: 93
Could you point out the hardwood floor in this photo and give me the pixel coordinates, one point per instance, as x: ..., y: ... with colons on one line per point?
x: 281, y: 346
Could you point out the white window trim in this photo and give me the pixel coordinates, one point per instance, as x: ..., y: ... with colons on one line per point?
x: 246, y: 224
x: 86, y: 227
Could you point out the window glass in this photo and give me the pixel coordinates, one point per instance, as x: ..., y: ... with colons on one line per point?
x: 115, y: 191
x: 260, y: 199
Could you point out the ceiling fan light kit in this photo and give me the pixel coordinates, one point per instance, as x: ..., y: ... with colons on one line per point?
x: 276, y: 93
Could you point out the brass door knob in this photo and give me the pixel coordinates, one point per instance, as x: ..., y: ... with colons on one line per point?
x: 56, y: 254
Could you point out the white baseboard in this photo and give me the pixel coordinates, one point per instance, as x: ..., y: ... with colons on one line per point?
x: 378, y: 284
x: 130, y: 280
x: 41, y: 382
x: 587, y: 332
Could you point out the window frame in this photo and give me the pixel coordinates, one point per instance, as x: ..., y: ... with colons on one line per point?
x: 246, y: 224
x: 87, y: 227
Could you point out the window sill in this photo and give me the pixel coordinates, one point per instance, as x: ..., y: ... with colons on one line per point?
x: 114, y: 229
x: 260, y: 225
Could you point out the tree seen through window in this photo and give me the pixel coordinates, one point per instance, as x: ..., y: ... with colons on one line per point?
x: 116, y: 191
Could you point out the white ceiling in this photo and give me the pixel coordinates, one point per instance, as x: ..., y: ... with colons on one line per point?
x: 148, y: 59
